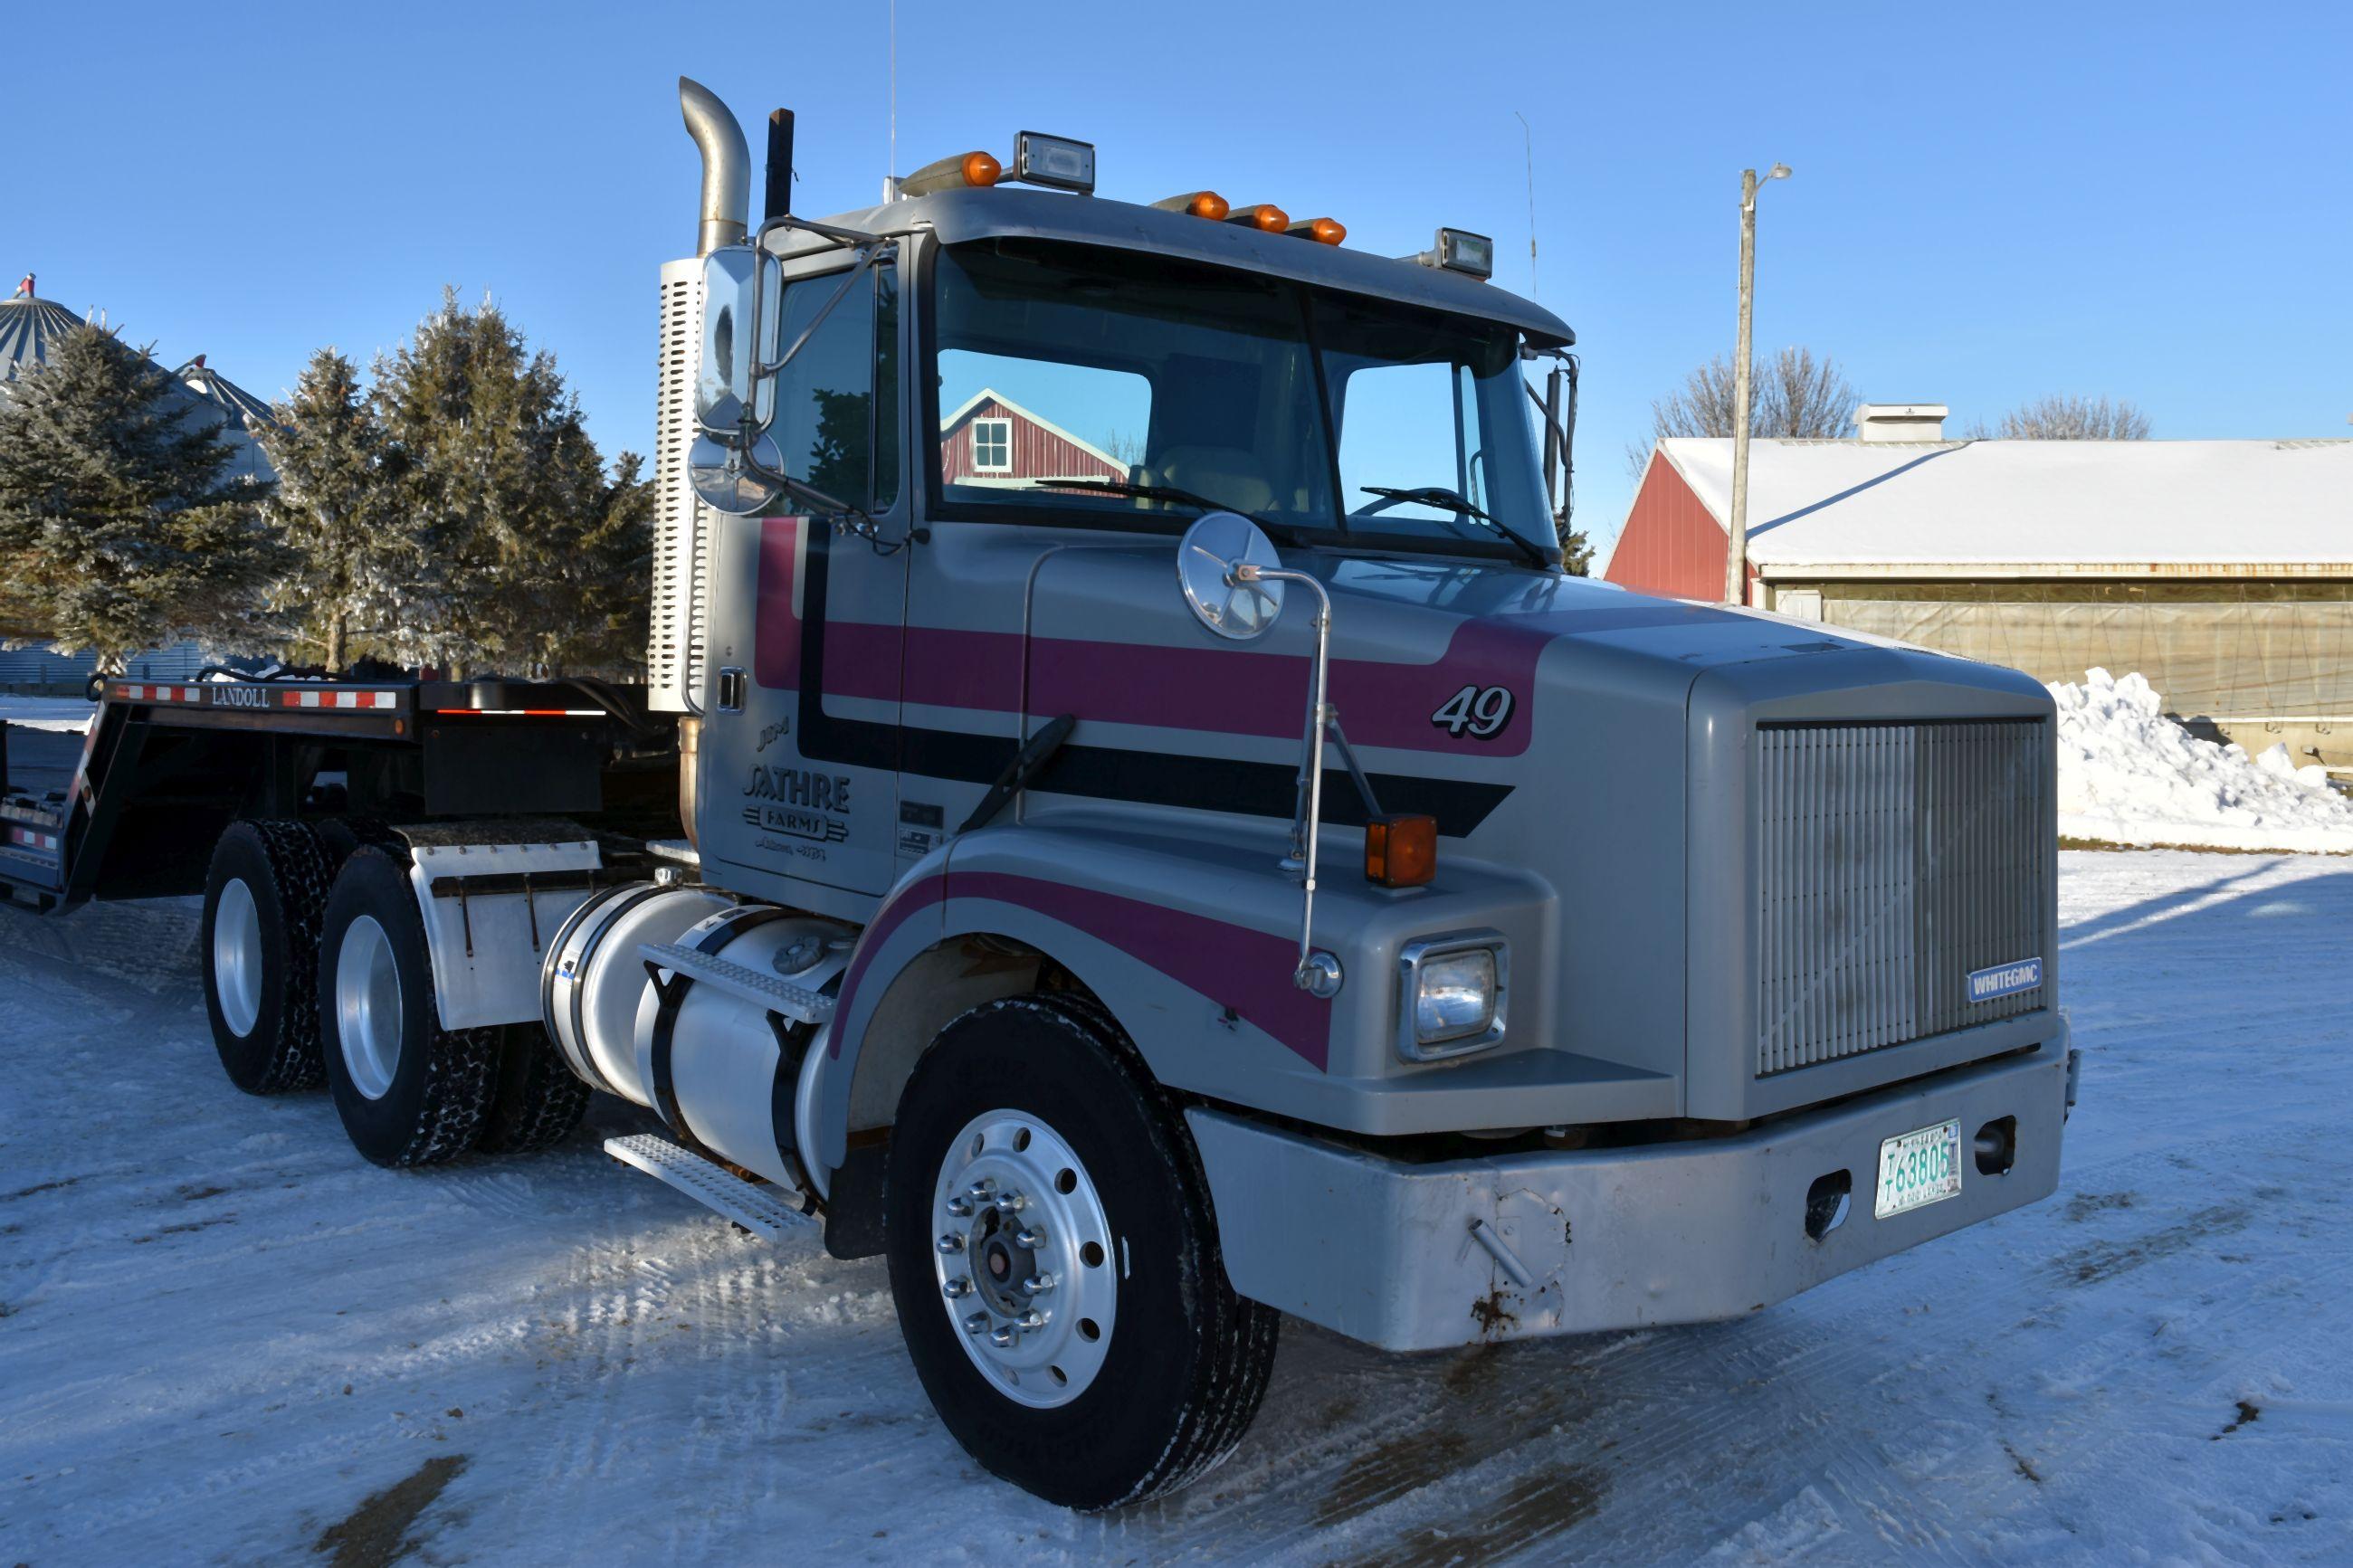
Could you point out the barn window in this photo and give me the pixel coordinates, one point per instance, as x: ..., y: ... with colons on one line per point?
x: 992, y: 446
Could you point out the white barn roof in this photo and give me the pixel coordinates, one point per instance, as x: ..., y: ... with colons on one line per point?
x: 2032, y: 508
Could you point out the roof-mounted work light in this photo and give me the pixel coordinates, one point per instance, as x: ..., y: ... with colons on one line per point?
x: 1459, y: 251
x: 1055, y: 162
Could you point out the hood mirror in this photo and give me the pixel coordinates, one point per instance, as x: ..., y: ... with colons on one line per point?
x: 741, y: 286
x: 1208, y: 570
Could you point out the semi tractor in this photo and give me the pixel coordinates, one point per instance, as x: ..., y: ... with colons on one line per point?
x: 1129, y: 819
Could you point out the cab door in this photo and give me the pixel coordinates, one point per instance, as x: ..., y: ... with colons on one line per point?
x: 798, y: 795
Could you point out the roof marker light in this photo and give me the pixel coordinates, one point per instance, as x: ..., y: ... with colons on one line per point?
x: 965, y: 170
x: 1265, y: 217
x: 1459, y: 251
x: 1322, y: 230
x: 1055, y: 162
x: 1199, y: 204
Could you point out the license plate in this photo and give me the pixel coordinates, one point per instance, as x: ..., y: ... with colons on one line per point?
x: 1918, y: 1168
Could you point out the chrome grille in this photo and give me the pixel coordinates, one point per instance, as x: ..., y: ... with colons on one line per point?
x: 1895, y: 859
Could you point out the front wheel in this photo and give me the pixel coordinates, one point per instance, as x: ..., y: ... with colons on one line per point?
x: 1056, y: 1264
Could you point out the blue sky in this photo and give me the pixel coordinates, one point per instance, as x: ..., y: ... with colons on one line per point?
x: 1990, y: 201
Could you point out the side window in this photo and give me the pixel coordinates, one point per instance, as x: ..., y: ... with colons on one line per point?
x: 837, y: 402
x: 1015, y: 424
x: 1401, y: 425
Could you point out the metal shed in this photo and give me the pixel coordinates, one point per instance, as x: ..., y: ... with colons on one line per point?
x: 2220, y: 570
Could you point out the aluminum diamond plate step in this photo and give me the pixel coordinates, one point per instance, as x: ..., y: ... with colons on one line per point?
x: 757, y: 1209
x: 774, y: 995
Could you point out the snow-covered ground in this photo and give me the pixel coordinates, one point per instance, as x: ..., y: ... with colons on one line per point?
x: 63, y: 713
x: 2128, y: 775
x: 225, y: 1339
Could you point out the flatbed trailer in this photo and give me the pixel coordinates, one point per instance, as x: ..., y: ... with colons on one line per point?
x: 165, y: 766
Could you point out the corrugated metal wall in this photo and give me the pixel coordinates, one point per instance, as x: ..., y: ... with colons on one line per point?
x: 1038, y: 453
x: 1670, y: 544
x: 39, y: 667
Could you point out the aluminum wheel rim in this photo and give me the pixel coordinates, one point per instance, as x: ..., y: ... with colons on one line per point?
x: 1024, y: 1258
x: 367, y: 1006
x: 236, y: 957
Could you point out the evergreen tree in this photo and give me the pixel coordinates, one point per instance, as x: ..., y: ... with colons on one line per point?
x: 531, y: 558
x: 351, y: 557
x: 121, y: 526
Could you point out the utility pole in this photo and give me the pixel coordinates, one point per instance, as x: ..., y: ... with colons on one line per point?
x: 1735, y: 555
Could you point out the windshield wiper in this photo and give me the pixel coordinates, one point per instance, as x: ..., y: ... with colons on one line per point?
x: 1438, y: 496
x: 1283, y: 532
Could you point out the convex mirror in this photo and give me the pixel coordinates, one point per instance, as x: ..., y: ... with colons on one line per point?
x: 1207, y: 562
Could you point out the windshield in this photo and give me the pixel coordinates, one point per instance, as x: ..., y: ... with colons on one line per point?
x: 1085, y: 386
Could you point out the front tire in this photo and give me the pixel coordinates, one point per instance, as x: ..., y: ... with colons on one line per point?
x: 409, y: 1091
x: 264, y: 895
x: 1055, y: 1260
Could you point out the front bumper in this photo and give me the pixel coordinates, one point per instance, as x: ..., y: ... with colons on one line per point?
x: 1418, y: 1257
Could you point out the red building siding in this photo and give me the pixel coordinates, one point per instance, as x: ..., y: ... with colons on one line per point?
x: 1038, y: 453
x: 1671, y: 545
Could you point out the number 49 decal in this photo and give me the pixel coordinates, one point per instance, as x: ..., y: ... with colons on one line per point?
x: 1478, y: 711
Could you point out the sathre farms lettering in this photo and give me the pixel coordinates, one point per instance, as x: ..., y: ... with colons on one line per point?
x: 794, y: 787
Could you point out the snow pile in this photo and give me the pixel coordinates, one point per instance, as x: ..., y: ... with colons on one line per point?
x: 2128, y: 775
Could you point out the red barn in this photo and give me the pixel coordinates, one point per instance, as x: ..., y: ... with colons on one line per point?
x: 993, y: 441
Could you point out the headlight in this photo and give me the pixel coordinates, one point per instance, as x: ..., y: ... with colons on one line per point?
x: 1451, y: 996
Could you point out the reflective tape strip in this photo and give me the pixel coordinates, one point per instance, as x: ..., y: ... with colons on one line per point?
x: 315, y: 699
x: 31, y: 839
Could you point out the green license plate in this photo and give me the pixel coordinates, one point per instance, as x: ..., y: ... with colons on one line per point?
x: 1919, y: 1169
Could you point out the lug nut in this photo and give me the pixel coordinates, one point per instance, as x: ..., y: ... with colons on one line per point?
x: 1038, y: 1284
x: 1010, y: 1203
x: 951, y: 1243
x: 1032, y: 1319
x: 1030, y: 1238
x: 978, y: 1192
x: 961, y: 1207
x: 975, y: 1322
x: 1003, y: 1338
x: 956, y: 1289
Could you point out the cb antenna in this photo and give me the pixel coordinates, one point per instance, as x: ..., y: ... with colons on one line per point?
x: 890, y: 176
x: 1529, y: 137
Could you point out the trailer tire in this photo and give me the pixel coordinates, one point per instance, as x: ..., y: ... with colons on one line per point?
x: 264, y: 895
x: 535, y: 1100
x: 1183, y: 1361
x: 409, y: 1091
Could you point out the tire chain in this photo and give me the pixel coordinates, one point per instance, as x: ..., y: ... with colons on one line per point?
x: 300, y: 874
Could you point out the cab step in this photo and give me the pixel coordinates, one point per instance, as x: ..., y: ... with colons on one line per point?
x: 758, y: 1208
x: 777, y: 996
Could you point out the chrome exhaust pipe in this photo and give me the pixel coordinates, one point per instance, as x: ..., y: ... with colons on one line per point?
x: 726, y: 165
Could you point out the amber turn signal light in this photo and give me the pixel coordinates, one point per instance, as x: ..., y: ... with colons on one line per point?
x: 1198, y: 204
x: 1322, y: 230
x: 1264, y: 217
x: 1401, y: 850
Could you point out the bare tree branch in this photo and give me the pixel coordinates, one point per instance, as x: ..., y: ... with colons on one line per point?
x: 1792, y: 394
x: 2060, y: 418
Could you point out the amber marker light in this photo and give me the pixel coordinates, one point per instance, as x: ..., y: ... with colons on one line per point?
x: 1196, y: 204
x: 1266, y: 217
x: 1401, y: 850
x: 973, y: 170
x: 1322, y: 230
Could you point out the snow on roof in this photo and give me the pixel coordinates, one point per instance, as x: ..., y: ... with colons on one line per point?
x: 2066, y: 503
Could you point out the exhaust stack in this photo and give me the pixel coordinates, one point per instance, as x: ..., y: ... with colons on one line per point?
x: 726, y: 165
